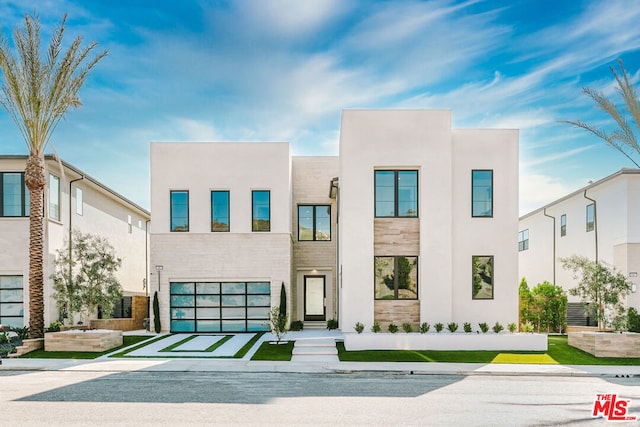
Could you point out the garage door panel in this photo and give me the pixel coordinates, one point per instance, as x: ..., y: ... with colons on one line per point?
x: 208, y: 300
x: 182, y: 325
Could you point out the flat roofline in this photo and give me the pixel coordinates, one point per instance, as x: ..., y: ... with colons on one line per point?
x: 623, y: 171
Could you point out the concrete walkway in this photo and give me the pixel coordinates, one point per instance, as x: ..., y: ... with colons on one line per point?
x: 152, y: 360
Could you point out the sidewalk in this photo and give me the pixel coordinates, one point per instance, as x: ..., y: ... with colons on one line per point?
x: 176, y: 364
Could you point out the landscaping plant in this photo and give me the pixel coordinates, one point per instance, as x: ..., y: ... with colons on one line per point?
x: 497, y: 328
x: 439, y: 327
x: 393, y: 328
x: 278, y: 323
x: 424, y: 327
x: 633, y: 320
x: 544, y: 306
x: 483, y: 327
x: 526, y: 327
x: 452, y: 327
x: 359, y: 327
x: 467, y: 327
x: 406, y: 326
x: 332, y: 324
x: 296, y: 325
x: 156, y: 313
x: 512, y: 327
x: 375, y: 328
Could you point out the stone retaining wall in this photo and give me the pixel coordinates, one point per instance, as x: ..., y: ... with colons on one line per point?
x: 607, y: 344
x: 92, y: 340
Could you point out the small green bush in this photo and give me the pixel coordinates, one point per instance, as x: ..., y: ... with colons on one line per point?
x: 467, y: 327
x: 359, y: 327
x: 452, y: 327
x: 375, y: 328
x: 332, y: 324
x: 424, y: 327
x: 439, y: 327
x: 54, y: 326
x: 23, y: 333
x: 393, y: 328
x: 526, y: 327
x: 497, y: 328
x: 296, y: 325
x: 633, y: 320
x: 406, y: 326
x: 512, y: 327
x: 483, y: 327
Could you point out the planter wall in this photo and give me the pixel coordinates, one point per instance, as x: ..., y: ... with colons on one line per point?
x: 446, y: 341
x: 91, y: 340
x: 607, y: 344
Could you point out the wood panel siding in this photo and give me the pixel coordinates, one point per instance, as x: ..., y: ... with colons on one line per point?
x: 396, y: 236
x: 398, y: 312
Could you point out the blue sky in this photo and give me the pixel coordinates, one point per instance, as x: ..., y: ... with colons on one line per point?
x: 282, y: 70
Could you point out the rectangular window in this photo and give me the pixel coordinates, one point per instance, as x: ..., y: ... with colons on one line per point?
x: 261, y: 208
x: 396, y: 193
x: 591, y: 217
x: 563, y: 225
x: 11, y: 301
x: 482, y: 193
x: 219, y: 211
x: 179, y: 210
x: 396, y: 277
x: 523, y: 240
x: 15, y: 196
x: 482, y: 276
x: 54, y: 197
x: 314, y: 222
x: 78, y: 201
x: 129, y: 224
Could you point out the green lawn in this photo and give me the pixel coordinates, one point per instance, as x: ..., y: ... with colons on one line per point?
x: 127, y: 340
x: 268, y: 351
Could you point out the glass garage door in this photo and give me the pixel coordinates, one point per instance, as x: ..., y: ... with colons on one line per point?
x: 220, y: 306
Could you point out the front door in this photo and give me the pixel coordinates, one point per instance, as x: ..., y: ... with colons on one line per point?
x: 314, y: 298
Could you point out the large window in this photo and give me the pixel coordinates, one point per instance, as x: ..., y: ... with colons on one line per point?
x: 219, y: 211
x: 11, y: 301
x: 180, y: 210
x: 79, y: 201
x: 563, y: 225
x: 591, y: 217
x: 54, y: 197
x: 396, y: 193
x: 15, y: 196
x: 481, y: 193
x: 396, y: 277
x: 314, y: 222
x: 482, y: 276
x: 261, y: 207
x: 523, y: 240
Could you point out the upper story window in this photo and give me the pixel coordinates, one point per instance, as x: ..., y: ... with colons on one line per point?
x: 482, y: 193
x: 396, y: 193
x: 523, y: 240
x: 261, y: 210
x: 79, y: 201
x: 219, y: 211
x: 179, y: 210
x: 563, y: 225
x: 591, y: 217
x: 314, y: 222
x: 396, y: 277
x: 129, y: 224
x: 54, y: 197
x: 15, y: 196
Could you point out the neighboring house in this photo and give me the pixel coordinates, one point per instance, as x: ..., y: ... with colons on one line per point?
x: 600, y: 221
x: 413, y: 222
x: 92, y: 208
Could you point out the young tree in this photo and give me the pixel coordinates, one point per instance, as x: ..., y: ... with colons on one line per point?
x: 37, y: 91
x: 601, y: 288
x: 92, y: 282
x: 278, y: 323
x: 623, y: 138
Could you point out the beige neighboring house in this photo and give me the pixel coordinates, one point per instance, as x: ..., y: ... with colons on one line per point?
x: 413, y: 222
x: 73, y: 200
x: 600, y: 221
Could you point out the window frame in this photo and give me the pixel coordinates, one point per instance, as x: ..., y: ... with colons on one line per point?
x: 314, y: 219
x: 79, y: 201
x: 493, y: 279
x: 396, y: 214
x: 396, y: 258
x: 253, y: 212
x: 24, y: 196
x: 590, y: 225
x: 563, y: 225
x: 473, y: 189
x: 57, y: 179
x: 211, y: 207
x: 523, y: 244
x: 171, y: 228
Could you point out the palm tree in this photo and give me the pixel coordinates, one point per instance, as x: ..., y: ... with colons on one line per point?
x: 623, y: 138
x: 36, y: 93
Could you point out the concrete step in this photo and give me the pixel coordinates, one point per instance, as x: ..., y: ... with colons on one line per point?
x: 316, y: 342
x: 314, y: 325
x: 314, y: 358
x: 314, y: 350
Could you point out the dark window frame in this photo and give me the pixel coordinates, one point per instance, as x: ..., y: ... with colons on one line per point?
x: 563, y: 225
x: 473, y: 191
x: 24, y: 191
x: 395, y: 193
x: 590, y: 225
x: 228, y: 210
x: 171, y: 192
x: 493, y: 278
x: 523, y: 244
x: 396, y: 258
x: 313, y: 231
x: 3, y: 303
x: 59, y: 213
x: 253, y: 218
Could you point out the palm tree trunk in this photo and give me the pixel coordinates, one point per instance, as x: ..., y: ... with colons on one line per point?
x: 35, y: 181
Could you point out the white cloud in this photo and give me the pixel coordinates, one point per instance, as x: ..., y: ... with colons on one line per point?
x: 537, y: 190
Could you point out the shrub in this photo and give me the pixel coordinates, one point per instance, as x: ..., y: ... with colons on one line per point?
x: 393, y: 328
x: 439, y: 327
x: 156, y: 313
x: 424, y: 327
x: 296, y: 325
x: 359, y: 327
x: 278, y: 323
x: 452, y: 327
x: 526, y: 327
x: 406, y: 326
x: 483, y: 327
x: 497, y: 328
x: 23, y: 333
x: 54, y: 326
x: 633, y: 320
x: 332, y: 324
x: 375, y: 328
x: 512, y: 327
x: 467, y: 327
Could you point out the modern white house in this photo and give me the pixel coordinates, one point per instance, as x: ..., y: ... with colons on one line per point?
x: 413, y: 222
x: 600, y: 221
x: 73, y: 201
